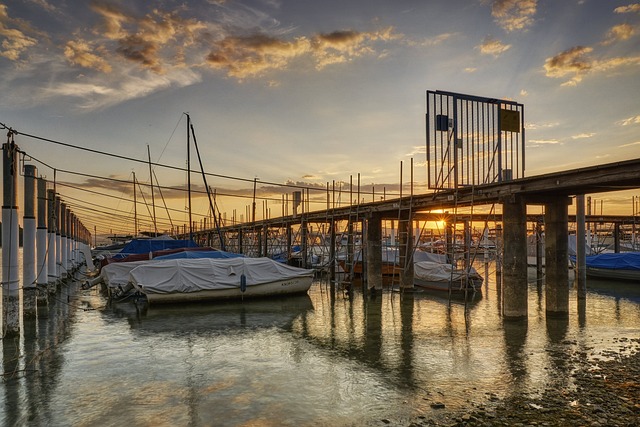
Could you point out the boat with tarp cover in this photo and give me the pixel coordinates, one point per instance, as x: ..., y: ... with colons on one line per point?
x: 210, y: 279
x: 617, y: 266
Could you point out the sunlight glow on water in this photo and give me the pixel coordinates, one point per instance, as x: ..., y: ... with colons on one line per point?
x: 310, y: 360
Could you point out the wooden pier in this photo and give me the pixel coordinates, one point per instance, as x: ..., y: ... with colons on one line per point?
x: 554, y: 191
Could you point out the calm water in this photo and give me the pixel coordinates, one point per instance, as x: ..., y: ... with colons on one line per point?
x: 304, y: 361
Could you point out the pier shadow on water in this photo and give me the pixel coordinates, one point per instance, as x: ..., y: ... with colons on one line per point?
x: 318, y: 359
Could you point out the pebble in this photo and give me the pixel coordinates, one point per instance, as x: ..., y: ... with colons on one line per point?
x: 609, y: 397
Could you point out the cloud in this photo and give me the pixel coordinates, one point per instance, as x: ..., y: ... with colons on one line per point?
x: 619, y: 33
x: 157, y: 38
x: 514, y: 15
x: 533, y: 126
x: 629, y: 121
x: 582, y: 136
x: 632, y: 8
x: 95, y: 93
x: 14, y: 41
x: 544, y: 141
x: 80, y: 53
x: 491, y: 46
x: 629, y: 145
x: 572, y: 61
x: 251, y: 56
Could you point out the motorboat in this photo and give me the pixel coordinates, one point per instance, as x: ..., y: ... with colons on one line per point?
x: 440, y: 276
x: 208, y: 279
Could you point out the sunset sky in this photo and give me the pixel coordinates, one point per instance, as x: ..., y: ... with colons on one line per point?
x: 304, y: 92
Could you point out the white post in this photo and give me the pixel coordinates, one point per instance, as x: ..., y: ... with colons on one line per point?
x: 51, y: 234
x: 10, y: 276
x: 41, y: 244
x: 29, y: 243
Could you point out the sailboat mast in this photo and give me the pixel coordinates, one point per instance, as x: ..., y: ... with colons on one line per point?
x: 135, y: 207
x: 189, y: 173
x: 153, y: 202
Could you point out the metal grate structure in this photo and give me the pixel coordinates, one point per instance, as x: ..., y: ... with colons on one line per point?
x: 472, y: 140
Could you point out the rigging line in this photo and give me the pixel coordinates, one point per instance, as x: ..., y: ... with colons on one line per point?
x: 163, y: 200
x: 122, y: 181
x: 122, y: 215
x: 121, y: 157
x: 110, y: 196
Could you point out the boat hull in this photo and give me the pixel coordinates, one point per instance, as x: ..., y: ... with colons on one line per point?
x: 294, y: 286
x: 471, y: 286
x: 607, y: 273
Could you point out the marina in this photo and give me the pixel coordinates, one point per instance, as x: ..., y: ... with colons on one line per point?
x: 352, y: 314
x: 315, y: 359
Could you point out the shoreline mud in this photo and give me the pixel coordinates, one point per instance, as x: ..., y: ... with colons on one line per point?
x: 604, y: 390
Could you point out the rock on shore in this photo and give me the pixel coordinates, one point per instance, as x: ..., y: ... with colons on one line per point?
x: 604, y: 391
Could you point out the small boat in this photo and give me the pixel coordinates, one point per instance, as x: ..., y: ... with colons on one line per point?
x: 210, y: 279
x: 617, y: 266
x: 439, y: 276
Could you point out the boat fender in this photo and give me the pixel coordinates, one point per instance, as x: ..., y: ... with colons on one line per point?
x: 243, y: 283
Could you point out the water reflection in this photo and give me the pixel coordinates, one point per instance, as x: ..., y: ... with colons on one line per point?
x: 322, y: 358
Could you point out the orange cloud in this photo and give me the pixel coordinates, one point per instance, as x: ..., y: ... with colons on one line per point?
x: 572, y: 61
x: 491, y: 46
x: 576, y: 62
x: 151, y: 40
x: 619, y: 33
x: 514, y: 15
x: 632, y: 8
x: 251, y: 56
x: 81, y: 53
x: 14, y: 40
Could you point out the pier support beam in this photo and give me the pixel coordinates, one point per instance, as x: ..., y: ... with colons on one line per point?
x: 514, y: 260
x: 557, y: 256
x: 374, y: 252
x: 581, y: 249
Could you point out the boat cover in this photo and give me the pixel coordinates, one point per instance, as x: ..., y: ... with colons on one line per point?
x: 141, y: 246
x: 199, y: 254
x: 193, y: 275
x: 117, y: 273
x: 613, y: 261
x: 440, y: 272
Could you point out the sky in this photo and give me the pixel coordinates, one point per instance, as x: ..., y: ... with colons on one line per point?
x: 302, y: 92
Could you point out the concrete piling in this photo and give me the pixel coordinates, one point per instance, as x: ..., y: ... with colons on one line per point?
x: 10, y: 276
x: 41, y: 244
x: 514, y: 272
x: 29, y: 290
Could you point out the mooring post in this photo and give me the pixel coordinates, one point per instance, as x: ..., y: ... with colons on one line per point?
x: 557, y: 256
x: 41, y: 245
x: 58, y: 240
x: 332, y: 256
x: 52, y: 277
x: 514, y: 260
x: 581, y: 250
x: 29, y: 290
x: 539, y: 251
x: 374, y: 252
x: 10, y: 276
x: 64, y: 253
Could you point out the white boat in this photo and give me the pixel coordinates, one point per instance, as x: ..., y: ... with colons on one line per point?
x: 206, y: 279
x: 444, y: 277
